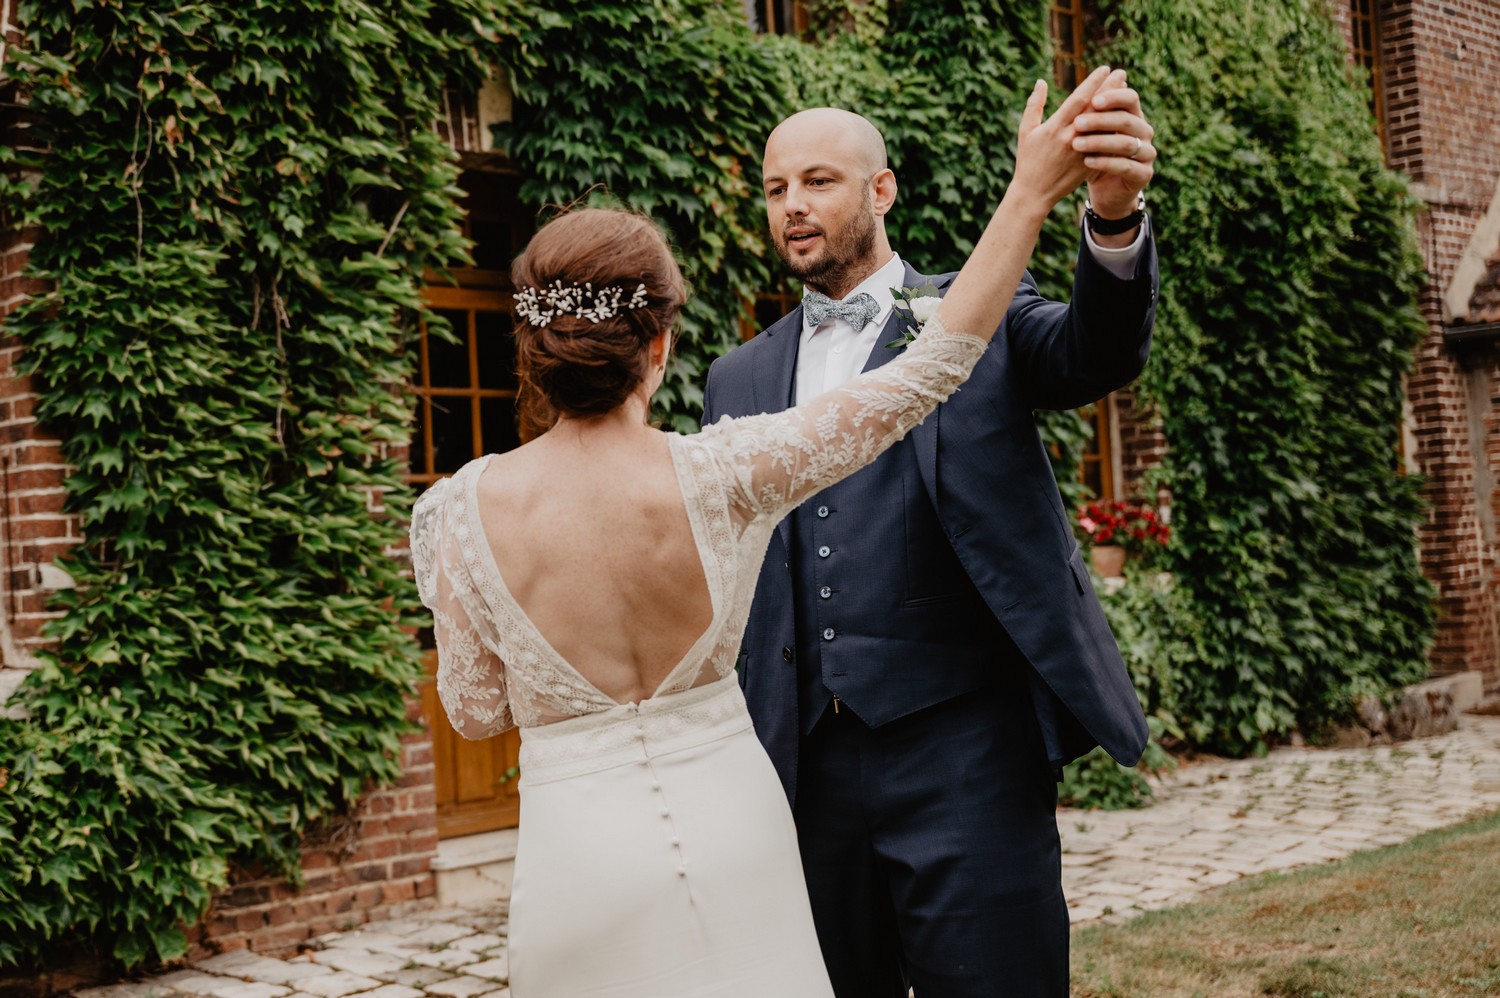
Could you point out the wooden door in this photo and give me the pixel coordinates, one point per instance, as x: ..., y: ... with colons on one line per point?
x: 466, y: 390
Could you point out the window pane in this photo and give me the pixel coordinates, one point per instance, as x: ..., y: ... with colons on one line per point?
x: 1092, y: 480
x: 491, y: 244
x: 498, y: 424
x: 448, y: 363
x: 497, y: 351
x: 769, y: 308
x: 417, y: 456
x: 452, y: 434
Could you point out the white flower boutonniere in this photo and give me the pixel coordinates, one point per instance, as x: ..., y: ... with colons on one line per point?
x: 916, y: 306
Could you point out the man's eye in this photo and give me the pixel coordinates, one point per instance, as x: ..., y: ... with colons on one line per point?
x: 818, y: 182
x: 775, y: 192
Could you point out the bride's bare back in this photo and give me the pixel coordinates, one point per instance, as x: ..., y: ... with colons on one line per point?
x: 593, y: 541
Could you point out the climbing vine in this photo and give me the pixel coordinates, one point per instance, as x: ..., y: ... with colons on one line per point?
x: 1288, y: 319
x: 239, y: 201
x: 667, y: 104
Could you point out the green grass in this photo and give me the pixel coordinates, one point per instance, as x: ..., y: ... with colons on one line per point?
x: 1417, y: 919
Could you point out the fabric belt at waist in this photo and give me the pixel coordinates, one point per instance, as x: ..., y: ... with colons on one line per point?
x: 632, y: 732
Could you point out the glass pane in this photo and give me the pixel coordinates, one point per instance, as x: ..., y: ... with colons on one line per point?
x: 452, y: 434
x: 497, y: 418
x: 497, y: 351
x: 1092, y: 479
x: 1063, y: 30
x: 418, y: 454
x: 491, y: 244
x: 769, y: 308
x: 448, y: 363
x: 782, y: 23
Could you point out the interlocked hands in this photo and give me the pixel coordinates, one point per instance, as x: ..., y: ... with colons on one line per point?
x: 1098, y: 135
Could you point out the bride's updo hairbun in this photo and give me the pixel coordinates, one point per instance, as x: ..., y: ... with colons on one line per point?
x: 586, y: 365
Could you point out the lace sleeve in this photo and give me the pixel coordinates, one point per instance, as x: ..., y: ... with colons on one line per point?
x: 470, y: 674
x: 776, y: 460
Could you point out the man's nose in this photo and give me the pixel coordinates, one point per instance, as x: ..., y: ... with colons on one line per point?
x: 795, y: 204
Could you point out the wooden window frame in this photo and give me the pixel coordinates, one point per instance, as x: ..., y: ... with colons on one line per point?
x: 1102, y: 453
x: 1364, y: 48
x: 468, y: 300
x: 1068, y: 51
x: 765, y: 12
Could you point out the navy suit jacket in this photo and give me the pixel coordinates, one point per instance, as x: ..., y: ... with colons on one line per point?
x: 985, y: 470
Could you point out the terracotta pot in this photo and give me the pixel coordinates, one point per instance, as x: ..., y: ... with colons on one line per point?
x: 1109, y: 560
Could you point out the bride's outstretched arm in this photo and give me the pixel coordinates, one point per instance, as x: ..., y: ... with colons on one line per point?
x: 774, y: 461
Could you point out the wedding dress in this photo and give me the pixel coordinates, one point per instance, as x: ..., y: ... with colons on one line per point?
x: 657, y: 856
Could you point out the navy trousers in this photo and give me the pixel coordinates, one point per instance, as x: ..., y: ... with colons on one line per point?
x: 931, y: 852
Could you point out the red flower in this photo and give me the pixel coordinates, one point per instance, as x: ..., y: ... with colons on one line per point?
x: 1135, y: 525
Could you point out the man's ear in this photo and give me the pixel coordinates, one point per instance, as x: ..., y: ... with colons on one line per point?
x: 883, y: 191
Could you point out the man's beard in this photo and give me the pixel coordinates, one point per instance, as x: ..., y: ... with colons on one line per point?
x: 842, y: 254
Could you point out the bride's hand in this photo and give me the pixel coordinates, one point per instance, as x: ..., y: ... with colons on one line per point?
x: 1048, y: 168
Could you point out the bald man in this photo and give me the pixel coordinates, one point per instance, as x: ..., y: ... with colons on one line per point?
x: 926, y: 650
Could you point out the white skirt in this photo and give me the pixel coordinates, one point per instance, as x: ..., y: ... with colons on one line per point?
x: 657, y: 858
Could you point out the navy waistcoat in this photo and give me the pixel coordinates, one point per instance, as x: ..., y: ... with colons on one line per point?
x: 887, y: 635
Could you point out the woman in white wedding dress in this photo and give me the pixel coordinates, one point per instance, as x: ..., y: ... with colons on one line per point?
x: 592, y: 587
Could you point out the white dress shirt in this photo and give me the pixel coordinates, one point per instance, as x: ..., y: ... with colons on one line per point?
x: 834, y: 352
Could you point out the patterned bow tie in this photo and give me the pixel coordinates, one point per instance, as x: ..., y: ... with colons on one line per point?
x: 859, y: 311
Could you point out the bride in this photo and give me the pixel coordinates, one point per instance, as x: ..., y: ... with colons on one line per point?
x: 592, y: 587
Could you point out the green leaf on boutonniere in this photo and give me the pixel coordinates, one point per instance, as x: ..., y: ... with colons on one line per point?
x: 913, y: 308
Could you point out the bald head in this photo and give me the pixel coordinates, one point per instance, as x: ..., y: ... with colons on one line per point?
x: 831, y: 128
x: 827, y: 191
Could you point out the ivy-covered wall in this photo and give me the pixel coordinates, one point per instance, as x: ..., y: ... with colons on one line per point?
x: 1288, y: 319
x: 238, y: 204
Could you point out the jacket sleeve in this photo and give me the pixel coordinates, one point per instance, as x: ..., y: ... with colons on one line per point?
x: 1075, y: 353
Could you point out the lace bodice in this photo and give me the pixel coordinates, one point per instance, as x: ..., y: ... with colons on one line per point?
x: 738, y: 478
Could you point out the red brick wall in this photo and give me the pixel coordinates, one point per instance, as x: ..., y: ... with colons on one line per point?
x: 1142, y: 445
x: 377, y: 864
x: 33, y: 528
x: 1442, y: 63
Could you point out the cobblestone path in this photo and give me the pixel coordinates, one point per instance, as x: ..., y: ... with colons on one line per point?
x: 1212, y: 823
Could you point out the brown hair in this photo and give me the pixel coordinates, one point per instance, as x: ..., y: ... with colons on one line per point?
x: 575, y: 366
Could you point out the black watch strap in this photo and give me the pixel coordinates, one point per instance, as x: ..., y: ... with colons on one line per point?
x: 1114, y: 226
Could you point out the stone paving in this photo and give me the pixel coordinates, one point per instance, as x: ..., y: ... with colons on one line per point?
x: 1215, y: 822
x: 1212, y: 823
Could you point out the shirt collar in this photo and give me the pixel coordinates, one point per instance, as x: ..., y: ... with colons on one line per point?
x: 878, y: 286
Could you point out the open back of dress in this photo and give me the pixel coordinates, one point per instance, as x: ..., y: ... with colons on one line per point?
x: 657, y: 852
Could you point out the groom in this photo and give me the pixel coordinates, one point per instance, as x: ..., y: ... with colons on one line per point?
x: 925, y: 650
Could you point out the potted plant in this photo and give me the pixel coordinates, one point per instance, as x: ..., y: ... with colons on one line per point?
x: 1116, y: 529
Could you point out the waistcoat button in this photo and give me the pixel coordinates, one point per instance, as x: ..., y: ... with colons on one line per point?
x: 786, y: 654
x: 824, y: 551
x: 825, y: 592
x: 827, y: 634
x: 822, y: 511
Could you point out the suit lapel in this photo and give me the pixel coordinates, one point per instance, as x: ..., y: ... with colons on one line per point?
x: 776, y: 368
x: 774, y: 378
x: 924, y: 436
x: 895, y: 326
